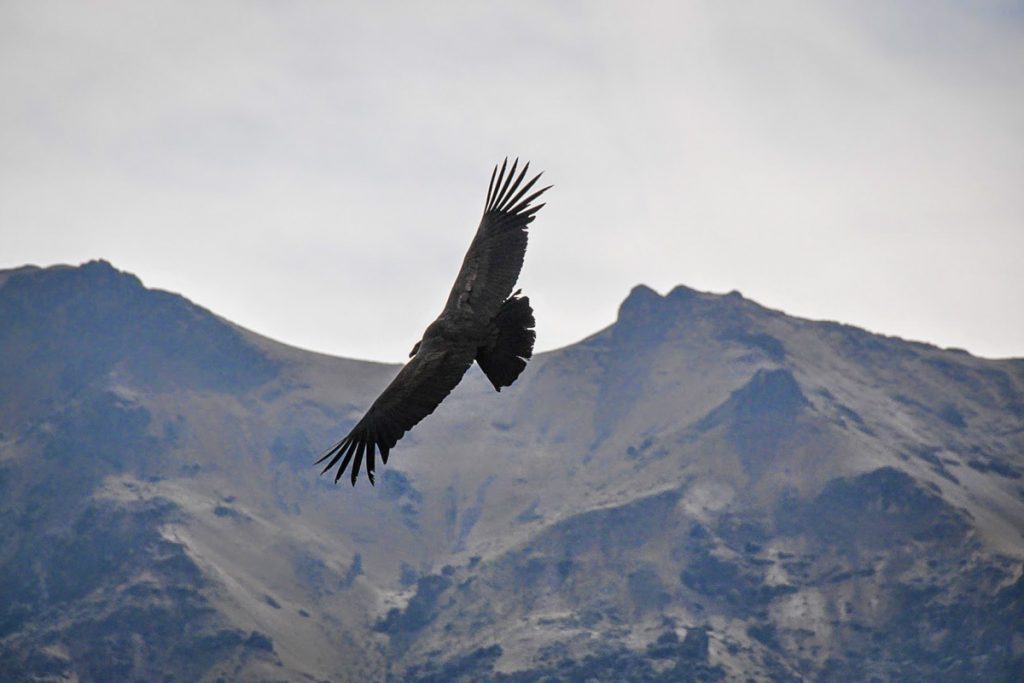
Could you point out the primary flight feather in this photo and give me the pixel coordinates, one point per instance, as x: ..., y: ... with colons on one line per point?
x: 483, y: 320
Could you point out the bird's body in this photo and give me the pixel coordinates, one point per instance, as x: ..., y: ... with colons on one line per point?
x: 482, y: 321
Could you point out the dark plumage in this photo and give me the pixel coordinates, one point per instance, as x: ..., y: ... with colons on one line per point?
x: 482, y: 321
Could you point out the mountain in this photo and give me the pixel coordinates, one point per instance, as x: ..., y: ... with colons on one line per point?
x: 706, y: 490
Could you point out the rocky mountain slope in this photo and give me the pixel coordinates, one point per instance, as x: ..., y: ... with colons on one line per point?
x: 705, y: 490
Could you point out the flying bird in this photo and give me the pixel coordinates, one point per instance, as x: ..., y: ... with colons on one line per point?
x: 482, y: 321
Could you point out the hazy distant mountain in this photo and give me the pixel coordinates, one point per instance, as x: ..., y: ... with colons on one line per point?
x: 705, y: 490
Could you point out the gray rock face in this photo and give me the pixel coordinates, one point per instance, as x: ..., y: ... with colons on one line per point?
x: 706, y: 490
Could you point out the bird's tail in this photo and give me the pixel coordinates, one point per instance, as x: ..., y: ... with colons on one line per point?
x: 503, y: 362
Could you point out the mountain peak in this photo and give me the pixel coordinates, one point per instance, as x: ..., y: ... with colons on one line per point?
x: 642, y: 300
x: 105, y: 319
x: 681, y: 293
x: 645, y: 314
x: 98, y: 272
x: 641, y: 293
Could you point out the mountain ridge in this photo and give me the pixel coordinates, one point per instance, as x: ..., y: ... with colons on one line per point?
x: 641, y: 289
x: 185, y: 443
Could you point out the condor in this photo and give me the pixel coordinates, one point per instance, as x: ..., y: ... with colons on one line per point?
x: 483, y: 320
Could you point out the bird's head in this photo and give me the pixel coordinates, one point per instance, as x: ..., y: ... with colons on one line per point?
x: 415, y: 348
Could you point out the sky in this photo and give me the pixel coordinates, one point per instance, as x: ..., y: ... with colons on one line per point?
x: 314, y: 171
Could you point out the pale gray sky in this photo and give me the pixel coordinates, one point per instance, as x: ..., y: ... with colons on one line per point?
x: 315, y: 170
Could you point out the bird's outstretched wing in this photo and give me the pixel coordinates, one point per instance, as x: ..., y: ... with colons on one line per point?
x: 495, y: 257
x: 413, y: 394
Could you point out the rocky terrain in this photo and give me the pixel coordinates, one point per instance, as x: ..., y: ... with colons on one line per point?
x: 706, y: 490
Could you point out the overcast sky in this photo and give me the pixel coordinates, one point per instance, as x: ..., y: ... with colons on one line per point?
x: 315, y: 170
